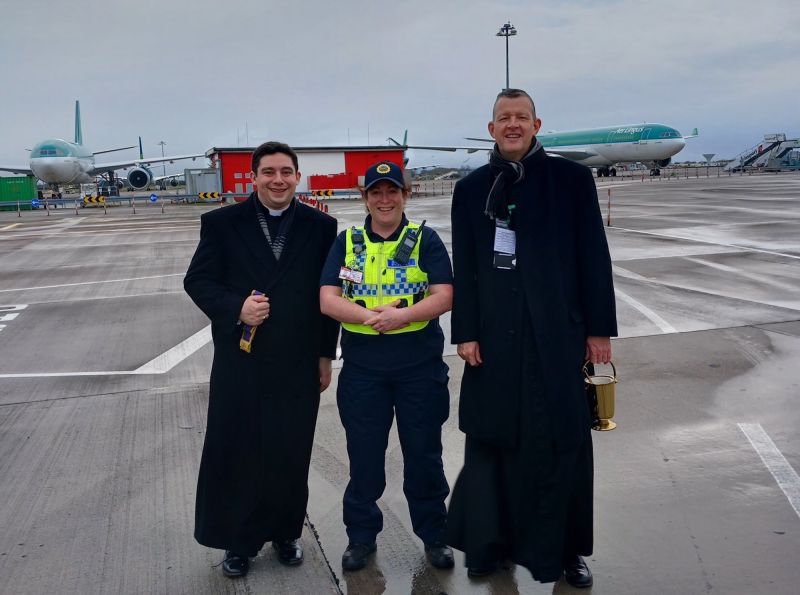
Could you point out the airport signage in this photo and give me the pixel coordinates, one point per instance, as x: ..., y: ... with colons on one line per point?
x: 153, y: 197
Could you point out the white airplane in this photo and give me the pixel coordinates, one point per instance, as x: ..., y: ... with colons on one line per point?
x: 653, y: 144
x: 57, y: 161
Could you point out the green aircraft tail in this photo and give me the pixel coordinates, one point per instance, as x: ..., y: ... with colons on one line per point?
x: 78, y: 133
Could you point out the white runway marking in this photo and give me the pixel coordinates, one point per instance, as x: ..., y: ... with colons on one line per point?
x: 93, y: 282
x: 665, y: 326
x: 781, y: 470
x: 108, y: 297
x: 7, y: 227
x: 171, y: 358
x: 71, y: 222
x: 758, y: 278
x: 61, y: 374
x: 159, y: 365
x: 702, y: 241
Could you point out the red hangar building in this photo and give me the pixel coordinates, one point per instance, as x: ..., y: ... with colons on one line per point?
x: 335, y: 169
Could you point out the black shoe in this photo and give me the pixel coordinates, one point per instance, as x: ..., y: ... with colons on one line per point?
x: 577, y: 573
x: 440, y: 555
x: 290, y: 551
x: 234, y: 565
x: 356, y: 554
x: 481, y: 571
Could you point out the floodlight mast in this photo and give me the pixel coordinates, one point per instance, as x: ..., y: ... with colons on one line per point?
x: 506, y: 31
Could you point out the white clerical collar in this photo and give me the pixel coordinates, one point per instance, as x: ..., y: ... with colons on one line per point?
x: 278, y: 212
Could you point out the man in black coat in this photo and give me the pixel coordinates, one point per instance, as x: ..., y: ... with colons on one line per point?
x: 255, y: 274
x: 533, y: 300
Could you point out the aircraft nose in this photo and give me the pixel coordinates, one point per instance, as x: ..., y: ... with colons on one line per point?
x: 44, y: 170
x: 53, y: 171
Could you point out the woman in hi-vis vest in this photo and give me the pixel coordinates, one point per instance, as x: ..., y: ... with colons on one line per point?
x: 387, y: 282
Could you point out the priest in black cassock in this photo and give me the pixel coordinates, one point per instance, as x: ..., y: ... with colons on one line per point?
x: 533, y: 300
x: 256, y: 270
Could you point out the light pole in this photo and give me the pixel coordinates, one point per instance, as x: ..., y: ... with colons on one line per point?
x: 163, y: 164
x: 506, y: 31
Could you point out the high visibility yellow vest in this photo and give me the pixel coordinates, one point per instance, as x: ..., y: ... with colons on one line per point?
x: 384, y: 279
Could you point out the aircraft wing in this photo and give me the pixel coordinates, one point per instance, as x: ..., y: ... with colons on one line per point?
x: 167, y: 177
x: 107, y: 167
x: 574, y: 154
x: 23, y: 169
x: 451, y: 149
x: 114, y: 150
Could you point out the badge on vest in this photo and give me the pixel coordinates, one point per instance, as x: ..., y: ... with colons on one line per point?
x: 347, y: 274
x: 505, y: 246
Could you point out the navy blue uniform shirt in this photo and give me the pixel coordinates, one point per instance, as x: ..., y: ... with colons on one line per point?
x: 394, y: 352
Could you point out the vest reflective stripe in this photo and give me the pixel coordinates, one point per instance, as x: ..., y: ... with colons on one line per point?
x: 384, y: 280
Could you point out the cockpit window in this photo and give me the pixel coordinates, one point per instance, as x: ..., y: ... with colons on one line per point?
x: 51, y: 149
x: 670, y: 134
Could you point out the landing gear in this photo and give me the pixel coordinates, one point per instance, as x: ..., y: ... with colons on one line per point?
x: 655, y: 172
x: 606, y: 172
x: 109, y: 186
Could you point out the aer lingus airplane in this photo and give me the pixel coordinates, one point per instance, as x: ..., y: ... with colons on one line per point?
x: 58, y: 161
x: 651, y: 144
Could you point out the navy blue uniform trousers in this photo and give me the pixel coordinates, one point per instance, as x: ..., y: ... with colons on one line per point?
x: 368, y: 401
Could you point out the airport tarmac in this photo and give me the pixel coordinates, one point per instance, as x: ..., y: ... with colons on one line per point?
x: 104, y: 366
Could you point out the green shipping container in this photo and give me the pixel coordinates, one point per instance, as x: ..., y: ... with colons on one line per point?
x: 17, y: 188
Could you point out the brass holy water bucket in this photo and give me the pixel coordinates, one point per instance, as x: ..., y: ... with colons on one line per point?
x: 604, y: 388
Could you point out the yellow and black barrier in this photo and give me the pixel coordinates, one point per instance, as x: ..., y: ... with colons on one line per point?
x: 94, y: 200
x: 208, y: 195
x: 322, y: 193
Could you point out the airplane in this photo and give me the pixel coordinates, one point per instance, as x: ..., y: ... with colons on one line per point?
x: 405, y: 146
x: 653, y: 144
x: 57, y: 161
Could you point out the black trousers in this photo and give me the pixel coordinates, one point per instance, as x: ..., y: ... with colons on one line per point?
x: 368, y: 402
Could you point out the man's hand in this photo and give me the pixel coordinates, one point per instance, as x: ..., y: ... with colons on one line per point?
x: 255, y: 310
x: 324, y: 373
x: 387, y: 318
x: 470, y: 352
x: 598, y: 350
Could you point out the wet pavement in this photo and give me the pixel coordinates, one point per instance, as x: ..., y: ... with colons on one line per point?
x: 103, y: 392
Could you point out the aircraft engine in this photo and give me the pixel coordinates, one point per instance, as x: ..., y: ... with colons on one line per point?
x: 140, y: 177
x: 664, y: 162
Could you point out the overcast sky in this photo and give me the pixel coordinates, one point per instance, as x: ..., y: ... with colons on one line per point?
x: 200, y: 74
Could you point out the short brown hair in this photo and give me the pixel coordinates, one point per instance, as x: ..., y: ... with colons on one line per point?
x: 513, y: 94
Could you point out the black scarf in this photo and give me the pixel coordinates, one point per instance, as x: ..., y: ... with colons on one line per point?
x: 507, y: 173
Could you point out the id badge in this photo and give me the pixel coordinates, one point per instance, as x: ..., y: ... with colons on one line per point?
x: 347, y: 274
x: 505, y: 246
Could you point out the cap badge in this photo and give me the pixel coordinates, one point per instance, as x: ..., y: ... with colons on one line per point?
x: 383, y: 169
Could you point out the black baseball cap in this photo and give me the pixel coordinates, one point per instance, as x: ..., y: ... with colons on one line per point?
x: 384, y: 170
